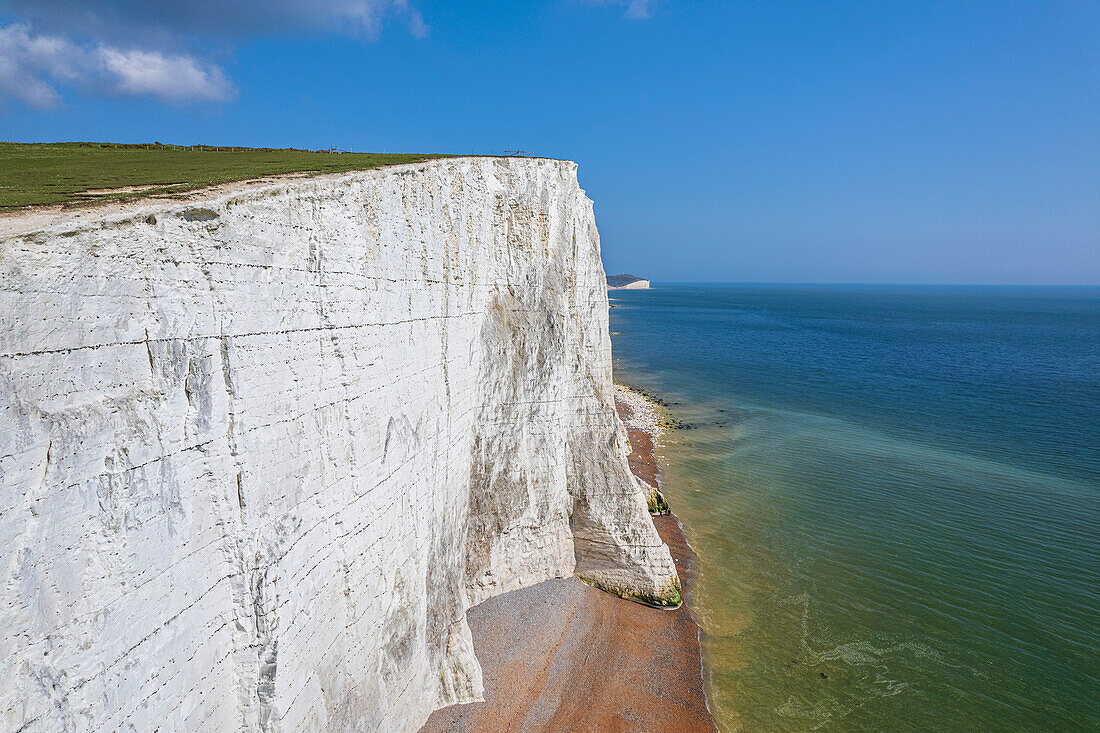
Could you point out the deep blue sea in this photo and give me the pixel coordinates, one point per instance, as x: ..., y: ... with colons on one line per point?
x: 894, y: 492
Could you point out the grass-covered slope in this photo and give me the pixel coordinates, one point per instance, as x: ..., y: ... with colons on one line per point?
x: 57, y: 173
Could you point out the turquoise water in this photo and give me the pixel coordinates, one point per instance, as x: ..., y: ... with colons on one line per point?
x: 895, y: 496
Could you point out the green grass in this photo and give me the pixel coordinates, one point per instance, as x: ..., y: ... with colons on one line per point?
x: 32, y: 174
x: 657, y: 504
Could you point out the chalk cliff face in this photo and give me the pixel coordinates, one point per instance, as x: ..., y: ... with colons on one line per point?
x: 261, y: 449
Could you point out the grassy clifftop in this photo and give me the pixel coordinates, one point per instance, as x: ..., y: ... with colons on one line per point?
x: 33, y: 174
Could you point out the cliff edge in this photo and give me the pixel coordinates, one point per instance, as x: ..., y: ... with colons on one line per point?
x: 262, y: 448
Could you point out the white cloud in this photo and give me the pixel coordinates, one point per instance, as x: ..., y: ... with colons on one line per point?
x: 110, y: 20
x: 636, y: 9
x: 32, y: 65
x: 640, y: 9
x: 90, y: 45
x: 415, y: 20
x: 174, y: 78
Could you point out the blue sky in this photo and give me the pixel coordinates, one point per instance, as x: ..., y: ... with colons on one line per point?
x: 826, y: 141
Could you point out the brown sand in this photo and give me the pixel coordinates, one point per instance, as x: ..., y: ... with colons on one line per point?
x: 561, y: 656
x: 642, y: 461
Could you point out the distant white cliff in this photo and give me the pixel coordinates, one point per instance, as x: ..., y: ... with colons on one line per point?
x: 261, y: 449
x: 626, y: 282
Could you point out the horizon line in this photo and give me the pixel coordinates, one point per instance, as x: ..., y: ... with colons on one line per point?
x: 835, y: 283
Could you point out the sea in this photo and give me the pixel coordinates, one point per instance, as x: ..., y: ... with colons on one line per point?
x: 894, y: 494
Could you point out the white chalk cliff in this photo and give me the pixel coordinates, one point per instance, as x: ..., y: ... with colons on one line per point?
x: 261, y: 449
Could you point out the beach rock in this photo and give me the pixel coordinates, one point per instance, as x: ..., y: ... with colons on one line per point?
x: 261, y: 449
